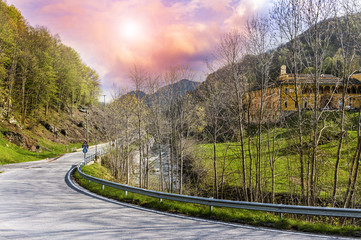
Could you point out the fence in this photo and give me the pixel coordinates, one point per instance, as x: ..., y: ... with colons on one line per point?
x: 266, y: 207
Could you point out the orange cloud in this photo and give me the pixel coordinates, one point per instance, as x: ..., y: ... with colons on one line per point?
x: 112, y: 35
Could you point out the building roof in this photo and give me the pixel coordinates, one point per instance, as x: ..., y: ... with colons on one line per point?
x: 325, y: 79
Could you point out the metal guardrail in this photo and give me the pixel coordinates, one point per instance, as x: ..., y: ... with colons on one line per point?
x: 266, y: 207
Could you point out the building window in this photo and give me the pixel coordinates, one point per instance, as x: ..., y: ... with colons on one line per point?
x: 286, y: 103
x: 286, y: 90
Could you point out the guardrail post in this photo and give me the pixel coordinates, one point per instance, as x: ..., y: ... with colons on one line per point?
x: 160, y: 200
x: 126, y: 193
x: 102, y: 187
x: 280, y: 213
x: 211, y: 207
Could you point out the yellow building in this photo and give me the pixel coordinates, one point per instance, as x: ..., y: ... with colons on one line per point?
x: 282, y: 95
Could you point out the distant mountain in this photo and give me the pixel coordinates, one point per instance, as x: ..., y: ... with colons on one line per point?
x: 175, y: 90
x: 165, y: 94
x: 179, y: 88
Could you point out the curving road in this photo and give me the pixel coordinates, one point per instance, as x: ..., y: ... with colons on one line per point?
x: 37, y: 201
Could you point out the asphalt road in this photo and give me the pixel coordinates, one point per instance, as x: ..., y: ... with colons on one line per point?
x: 37, y: 201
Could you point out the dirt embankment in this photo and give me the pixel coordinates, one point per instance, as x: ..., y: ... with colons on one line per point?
x: 63, y: 128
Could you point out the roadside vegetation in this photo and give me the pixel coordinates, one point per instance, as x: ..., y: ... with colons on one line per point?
x: 254, y: 218
x: 287, y: 188
x: 11, y: 153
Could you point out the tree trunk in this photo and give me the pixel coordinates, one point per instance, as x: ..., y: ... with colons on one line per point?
x: 12, y: 75
x: 169, y: 165
x: 215, y: 166
x: 250, y: 154
x: 351, y: 188
x: 127, y: 149
x: 181, y: 165
x: 140, y: 153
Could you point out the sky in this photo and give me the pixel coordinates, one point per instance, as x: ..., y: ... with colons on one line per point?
x: 113, y: 35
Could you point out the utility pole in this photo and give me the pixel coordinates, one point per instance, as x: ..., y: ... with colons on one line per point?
x: 96, y: 149
x: 87, y: 136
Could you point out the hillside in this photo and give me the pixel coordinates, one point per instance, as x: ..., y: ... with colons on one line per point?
x: 42, y: 84
x: 332, y: 59
x: 63, y: 133
x: 175, y: 90
x: 178, y: 90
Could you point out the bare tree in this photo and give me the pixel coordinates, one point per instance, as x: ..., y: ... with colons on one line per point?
x: 259, y: 40
x: 287, y: 16
x: 156, y: 120
x: 186, y: 118
x: 214, y: 110
x: 347, y: 32
x: 139, y: 76
x: 317, y: 38
x: 127, y: 104
x: 227, y: 57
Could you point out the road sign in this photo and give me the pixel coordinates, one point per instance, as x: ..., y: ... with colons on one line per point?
x: 85, y: 150
x: 85, y: 145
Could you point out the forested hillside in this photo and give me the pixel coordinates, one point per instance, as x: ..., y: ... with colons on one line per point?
x: 38, y: 74
x: 42, y: 84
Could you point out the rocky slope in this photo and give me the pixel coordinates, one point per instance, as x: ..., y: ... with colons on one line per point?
x: 62, y: 128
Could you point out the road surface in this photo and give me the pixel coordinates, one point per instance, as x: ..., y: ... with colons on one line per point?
x: 37, y: 201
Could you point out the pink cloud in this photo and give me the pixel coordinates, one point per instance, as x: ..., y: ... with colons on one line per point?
x: 112, y: 35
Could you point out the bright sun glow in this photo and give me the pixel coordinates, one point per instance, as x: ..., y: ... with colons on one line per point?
x: 131, y: 30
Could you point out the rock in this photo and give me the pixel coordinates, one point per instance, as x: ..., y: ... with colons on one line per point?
x: 80, y: 124
x: 33, y: 148
x: 13, y: 121
x: 64, y: 132
x: 51, y: 128
x: 3, y: 112
x: 83, y: 110
x: 15, y: 138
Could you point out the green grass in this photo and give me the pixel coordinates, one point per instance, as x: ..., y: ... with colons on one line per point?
x: 11, y: 153
x: 255, y: 218
x: 287, y: 166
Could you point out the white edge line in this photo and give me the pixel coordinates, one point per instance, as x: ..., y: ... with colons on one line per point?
x: 81, y: 189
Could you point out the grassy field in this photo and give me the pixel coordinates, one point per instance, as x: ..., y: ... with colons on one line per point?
x: 254, y: 218
x: 11, y: 153
x: 287, y: 164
